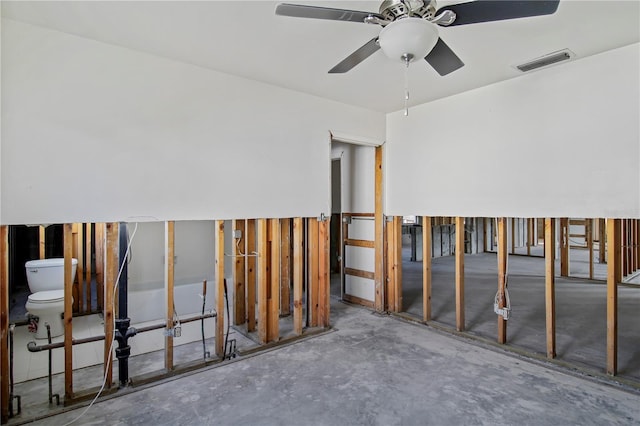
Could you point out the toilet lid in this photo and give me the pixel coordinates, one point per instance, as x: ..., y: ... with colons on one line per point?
x: 48, y: 296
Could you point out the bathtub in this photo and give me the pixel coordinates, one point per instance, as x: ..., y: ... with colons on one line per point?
x: 147, y: 303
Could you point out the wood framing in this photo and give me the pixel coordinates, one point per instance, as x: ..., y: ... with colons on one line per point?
x: 42, y: 241
x: 614, y: 276
x: 298, y: 274
x: 79, y: 252
x: 637, y: 243
x: 564, y: 247
x: 4, y: 323
x: 426, y: 267
x: 100, y: 243
x: 513, y: 235
x: 111, y: 273
x: 273, y: 301
x: 285, y: 266
x: 68, y: 311
x: 220, y: 283
x: 75, y: 243
x: 588, y: 230
x: 502, y: 276
x: 169, y: 275
x: 262, y: 269
x: 460, y: 326
x: 550, y: 291
x: 324, y: 287
x: 379, y: 234
x: 602, y: 241
x: 358, y: 301
x: 87, y: 269
x: 250, y: 280
x: 313, y: 271
x: 239, y: 299
x: 394, y: 264
x: 359, y: 273
x: 359, y: 243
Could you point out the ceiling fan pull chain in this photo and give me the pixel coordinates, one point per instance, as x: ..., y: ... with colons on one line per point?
x: 407, y: 61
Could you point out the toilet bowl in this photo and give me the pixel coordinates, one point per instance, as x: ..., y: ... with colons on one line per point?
x: 47, y: 306
x: 46, y: 303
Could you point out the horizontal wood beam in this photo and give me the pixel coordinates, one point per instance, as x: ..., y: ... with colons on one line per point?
x: 359, y: 273
x: 359, y: 243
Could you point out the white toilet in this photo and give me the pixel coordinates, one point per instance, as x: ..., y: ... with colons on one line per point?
x: 46, y: 301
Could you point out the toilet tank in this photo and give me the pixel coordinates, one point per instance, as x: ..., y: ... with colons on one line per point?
x: 48, y: 274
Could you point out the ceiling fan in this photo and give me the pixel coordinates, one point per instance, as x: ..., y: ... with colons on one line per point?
x: 410, y: 27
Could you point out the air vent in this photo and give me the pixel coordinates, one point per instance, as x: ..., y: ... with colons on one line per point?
x: 550, y: 59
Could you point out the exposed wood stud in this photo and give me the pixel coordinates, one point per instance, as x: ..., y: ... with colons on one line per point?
x: 529, y: 236
x: 324, y: 287
x: 394, y: 264
x: 513, y: 235
x: 4, y: 323
x: 100, y: 244
x: 623, y: 239
x: 484, y: 234
x: 388, y: 258
x: 285, y: 266
x: 273, y: 307
x: 298, y: 275
x: 637, y: 244
x: 239, y: 300
x: 111, y: 273
x: 426, y: 267
x: 502, y: 276
x: 76, y: 290
x: 68, y: 311
x: 220, y: 283
x: 88, y: 269
x: 251, y: 272
x: 564, y: 247
x: 262, y: 270
x: 42, y: 240
x: 460, y: 326
x: 550, y: 292
x: 169, y: 276
x: 313, y: 271
x: 613, y: 278
x: 602, y: 241
x: 589, y: 235
x: 379, y: 234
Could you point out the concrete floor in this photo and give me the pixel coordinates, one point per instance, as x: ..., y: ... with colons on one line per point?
x: 372, y: 370
x: 580, y: 307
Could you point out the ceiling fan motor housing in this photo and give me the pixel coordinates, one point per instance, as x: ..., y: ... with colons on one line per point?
x: 396, y: 9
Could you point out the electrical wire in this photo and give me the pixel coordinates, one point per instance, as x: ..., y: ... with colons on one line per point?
x: 113, y: 338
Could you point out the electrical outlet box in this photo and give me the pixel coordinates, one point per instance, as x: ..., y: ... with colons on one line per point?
x: 237, y: 234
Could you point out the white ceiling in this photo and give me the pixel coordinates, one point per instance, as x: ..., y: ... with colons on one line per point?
x: 247, y: 39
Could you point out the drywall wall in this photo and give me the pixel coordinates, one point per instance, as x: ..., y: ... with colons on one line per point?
x: 95, y: 132
x: 563, y: 141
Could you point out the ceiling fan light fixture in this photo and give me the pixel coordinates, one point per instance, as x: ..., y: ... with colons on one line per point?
x: 408, y: 37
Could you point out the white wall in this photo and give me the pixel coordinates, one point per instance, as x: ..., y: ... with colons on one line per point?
x: 96, y: 132
x: 559, y: 142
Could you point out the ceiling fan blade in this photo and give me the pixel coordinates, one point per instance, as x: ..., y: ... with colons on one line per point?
x: 442, y: 59
x: 499, y: 10
x: 356, y: 57
x: 315, y: 12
